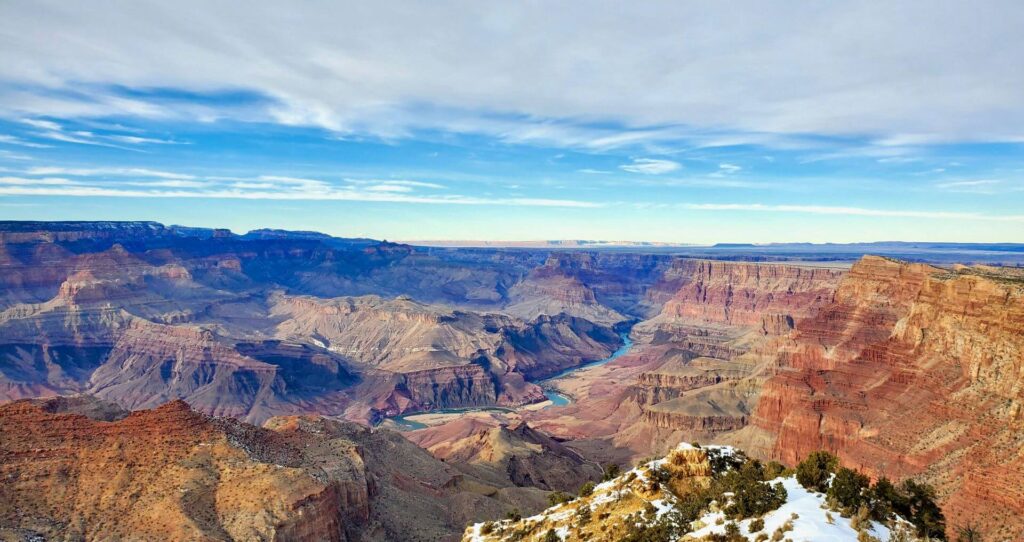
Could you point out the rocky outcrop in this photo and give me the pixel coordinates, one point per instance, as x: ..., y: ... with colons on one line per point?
x: 912, y: 370
x: 174, y: 474
x: 614, y: 509
x: 508, y: 453
x: 685, y: 373
x: 708, y: 424
x: 167, y: 474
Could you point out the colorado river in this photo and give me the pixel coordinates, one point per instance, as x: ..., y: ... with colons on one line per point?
x: 557, y: 399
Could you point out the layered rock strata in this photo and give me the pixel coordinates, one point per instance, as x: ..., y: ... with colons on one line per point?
x: 912, y: 370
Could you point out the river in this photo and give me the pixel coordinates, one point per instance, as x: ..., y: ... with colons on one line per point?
x: 556, y: 398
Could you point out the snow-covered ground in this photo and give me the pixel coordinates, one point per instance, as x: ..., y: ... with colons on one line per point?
x: 810, y: 524
x: 804, y: 514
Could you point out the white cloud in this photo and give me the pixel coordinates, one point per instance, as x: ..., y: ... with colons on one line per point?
x: 120, y: 172
x: 651, y: 166
x: 392, y: 182
x: 53, y: 130
x: 12, y: 140
x: 729, y: 168
x: 43, y: 124
x: 136, y: 140
x: 771, y: 69
x: 265, y: 187
x: 14, y: 155
x: 854, y: 211
x: 967, y: 184
x: 171, y: 183
x: 47, y: 181
x: 980, y: 186
x: 388, y: 188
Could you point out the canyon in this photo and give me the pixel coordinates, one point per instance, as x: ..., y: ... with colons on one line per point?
x: 274, y: 357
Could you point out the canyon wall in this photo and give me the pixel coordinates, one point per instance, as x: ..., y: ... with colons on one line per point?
x: 174, y: 474
x: 743, y: 294
x: 915, y: 371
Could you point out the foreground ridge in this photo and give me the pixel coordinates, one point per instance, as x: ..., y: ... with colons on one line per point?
x: 667, y: 500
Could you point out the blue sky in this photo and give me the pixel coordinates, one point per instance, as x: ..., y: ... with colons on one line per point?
x: 753, y: 122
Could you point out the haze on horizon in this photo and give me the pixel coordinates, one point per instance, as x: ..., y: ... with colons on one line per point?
x: 674, y: 122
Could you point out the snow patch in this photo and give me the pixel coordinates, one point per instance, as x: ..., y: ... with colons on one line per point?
x: 810, y: 523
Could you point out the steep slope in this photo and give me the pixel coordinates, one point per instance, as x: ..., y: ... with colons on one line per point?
x: 174, y: 474
x: 696, y: 367
x: 913, y: 370
x: 163, y: 474
x: 508, y: 452
x: 683, y: 497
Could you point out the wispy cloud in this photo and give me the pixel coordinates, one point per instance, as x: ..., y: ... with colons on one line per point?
x: 395, y: 182
x: 112, y: 171
x: 331, y: 194
x: 46, y: 181
x: 265, y: 187
x: 651, y: 166
x: 853, y: 211
x: 388, y: 188
x: 49, y: 129
x: 6, y: 154
x: 43, y: 124
x: 980, y: 186
x: 12, y: 140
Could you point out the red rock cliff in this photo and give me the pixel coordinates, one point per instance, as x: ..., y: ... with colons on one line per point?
x: 743, y: 293
x: 913, y: 371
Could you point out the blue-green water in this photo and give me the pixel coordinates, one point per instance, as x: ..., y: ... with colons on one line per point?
x: 557, y: 399
x: 626, y: 345
x: 405, y: 424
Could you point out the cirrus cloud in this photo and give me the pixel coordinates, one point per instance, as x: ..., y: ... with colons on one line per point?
x: 651, y: 166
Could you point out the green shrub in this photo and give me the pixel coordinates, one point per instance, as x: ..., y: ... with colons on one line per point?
x: 662, y: 531
x: 552, y: 536
x: 773, y: 469
x: 691, y: 506
x: 660, y: 474
x: 883, y: 499
x: 722, y: 461
x: 557, y: 497
x: 751, y: 495
x: 610, y: 471
x: 587, y: 489
x: 920, y: 509
x: 757, y: 525
x: 848, y: 490
x: 583, y: 515
x: 514, y: 515
x: 813, y: 473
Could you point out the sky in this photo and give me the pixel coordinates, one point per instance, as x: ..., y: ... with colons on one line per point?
x: 682, y: 122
